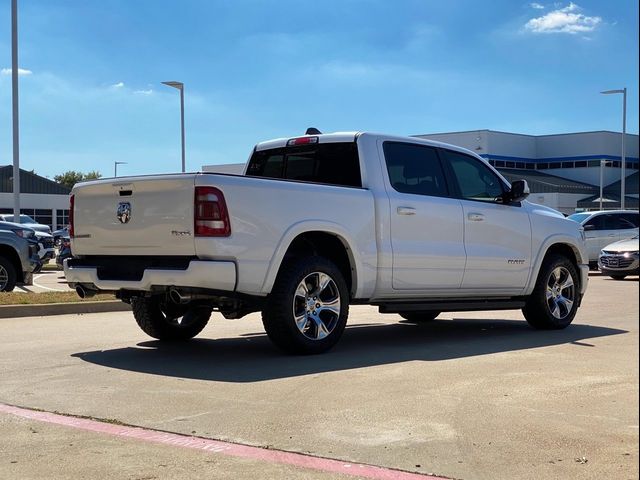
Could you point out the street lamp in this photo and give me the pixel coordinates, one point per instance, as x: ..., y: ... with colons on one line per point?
x: 624, y: 134
x: 180, y: 86
x: 14, y: 100
x: 602, y: 164
x: 115, y: 167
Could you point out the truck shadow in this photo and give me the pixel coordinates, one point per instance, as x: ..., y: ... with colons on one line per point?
x: 252, y: 358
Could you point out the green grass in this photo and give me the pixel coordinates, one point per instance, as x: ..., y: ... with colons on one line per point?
x: 14, y: 298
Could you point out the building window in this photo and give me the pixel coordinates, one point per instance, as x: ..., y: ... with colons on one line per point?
x: 499, y: 163
x: 531, y: 166
x: 510, y: 164
x: 62, y: 218
x: 543, y: 166
x: 519, y: 164
x: 567, y: 164
x: 580, y: 164
x: 555, y: 165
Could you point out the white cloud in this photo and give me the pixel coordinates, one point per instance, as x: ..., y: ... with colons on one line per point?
x: 21, y: 71
x: 536, y: 6
x: 143, y: 92
x: 118, y: 85
x: 563, y: 20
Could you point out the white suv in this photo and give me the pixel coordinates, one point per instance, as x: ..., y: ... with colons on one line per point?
x: 604, y: 227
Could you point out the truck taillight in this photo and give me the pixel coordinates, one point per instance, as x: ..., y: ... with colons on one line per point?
x: 71, y: 204
x: 211, y: 217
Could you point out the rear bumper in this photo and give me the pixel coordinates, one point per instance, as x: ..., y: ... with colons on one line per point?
x: 214, y: 275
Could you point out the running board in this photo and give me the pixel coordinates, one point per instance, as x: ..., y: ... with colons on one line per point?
x: 451, y: 305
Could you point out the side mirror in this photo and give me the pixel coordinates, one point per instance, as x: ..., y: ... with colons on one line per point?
x: 590, y: 226
x: 519, y: 191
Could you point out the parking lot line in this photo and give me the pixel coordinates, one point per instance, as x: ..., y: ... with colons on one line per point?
x: 217, y: 446
x: 35, y: 283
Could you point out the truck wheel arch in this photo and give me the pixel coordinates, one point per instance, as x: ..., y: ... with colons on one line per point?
x: 554, y: 246
x: 330, y: 242
x: 11, y: 255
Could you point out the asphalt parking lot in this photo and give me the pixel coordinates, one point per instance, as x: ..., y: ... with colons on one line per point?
x: 46, y: 281
x: 477, y: 395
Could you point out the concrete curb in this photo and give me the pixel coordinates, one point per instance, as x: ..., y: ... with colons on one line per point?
x: 45, y: 309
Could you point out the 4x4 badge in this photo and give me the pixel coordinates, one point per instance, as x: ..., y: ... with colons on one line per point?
x: 124, y: 212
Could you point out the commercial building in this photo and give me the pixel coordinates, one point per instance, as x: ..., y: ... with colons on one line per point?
x: 563, y: 170
x: 42, y: 199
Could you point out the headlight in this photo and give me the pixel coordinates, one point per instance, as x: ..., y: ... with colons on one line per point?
x: 25, y: 233
x: 601, y: 252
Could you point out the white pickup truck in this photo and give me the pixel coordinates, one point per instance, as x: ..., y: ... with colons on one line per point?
x: 319, y: 222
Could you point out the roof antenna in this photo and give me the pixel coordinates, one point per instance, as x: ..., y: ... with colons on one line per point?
x: 313, y: 131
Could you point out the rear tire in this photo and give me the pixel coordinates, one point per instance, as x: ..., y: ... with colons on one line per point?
x: 307, y: 310
x: 8, y: 276
x: 618, y: 277
x: 554, y: 301
x: 165, y: 321
x: 420, y: 317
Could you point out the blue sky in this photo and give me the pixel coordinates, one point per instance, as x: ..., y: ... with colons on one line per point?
x: 90, y: 91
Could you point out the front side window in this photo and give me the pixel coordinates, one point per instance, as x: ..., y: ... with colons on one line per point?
x: 632, y: 218
x: 476, y: 180
x: 415, y: 169
x: 603, y: 222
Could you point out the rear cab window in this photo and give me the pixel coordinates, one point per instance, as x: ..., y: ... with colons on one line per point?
x: 324, y: 163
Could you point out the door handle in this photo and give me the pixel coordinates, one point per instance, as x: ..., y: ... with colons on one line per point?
x: 612, y: 234
x: 475, y: 217
x: 406, y: 211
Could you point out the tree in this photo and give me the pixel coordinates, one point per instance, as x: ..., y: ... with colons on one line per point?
x: 71, y: 177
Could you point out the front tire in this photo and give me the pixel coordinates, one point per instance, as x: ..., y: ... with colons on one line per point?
x: 165, y: 321
x: 554, y: 301
x: 307, y: 310
x: 8, y: 276
x: 618, y: 277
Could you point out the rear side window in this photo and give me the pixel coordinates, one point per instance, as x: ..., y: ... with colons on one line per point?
x: 328, y: 163
x: 415, y: 169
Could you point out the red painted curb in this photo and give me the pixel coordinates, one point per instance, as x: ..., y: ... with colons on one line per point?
x: 217, y: 446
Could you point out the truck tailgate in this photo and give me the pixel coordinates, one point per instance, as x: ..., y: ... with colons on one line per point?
x: 135, y: 216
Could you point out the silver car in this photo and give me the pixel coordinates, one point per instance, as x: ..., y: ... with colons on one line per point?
x: 620, y: 259
x: 604, y: 227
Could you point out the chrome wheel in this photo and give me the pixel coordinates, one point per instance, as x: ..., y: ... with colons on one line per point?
x: 560, y: 292
x: 4, y: 278
x: 316, y: 306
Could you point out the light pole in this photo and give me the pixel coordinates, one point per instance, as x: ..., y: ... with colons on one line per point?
x: 624, y: 134
x: 180, y: 86
x: 602, y: 164
x: 115, y: 167
x: 14, y: 99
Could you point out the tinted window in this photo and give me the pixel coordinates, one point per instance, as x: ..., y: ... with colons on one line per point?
x: 329, y: 163
x: 415, y: 169
x: 475, y: 179
x: 632, y: 218
x: 603, y: 222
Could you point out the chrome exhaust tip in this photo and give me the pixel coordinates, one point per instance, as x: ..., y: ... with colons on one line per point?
x: 84, y: 293
x: 177, y: 297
